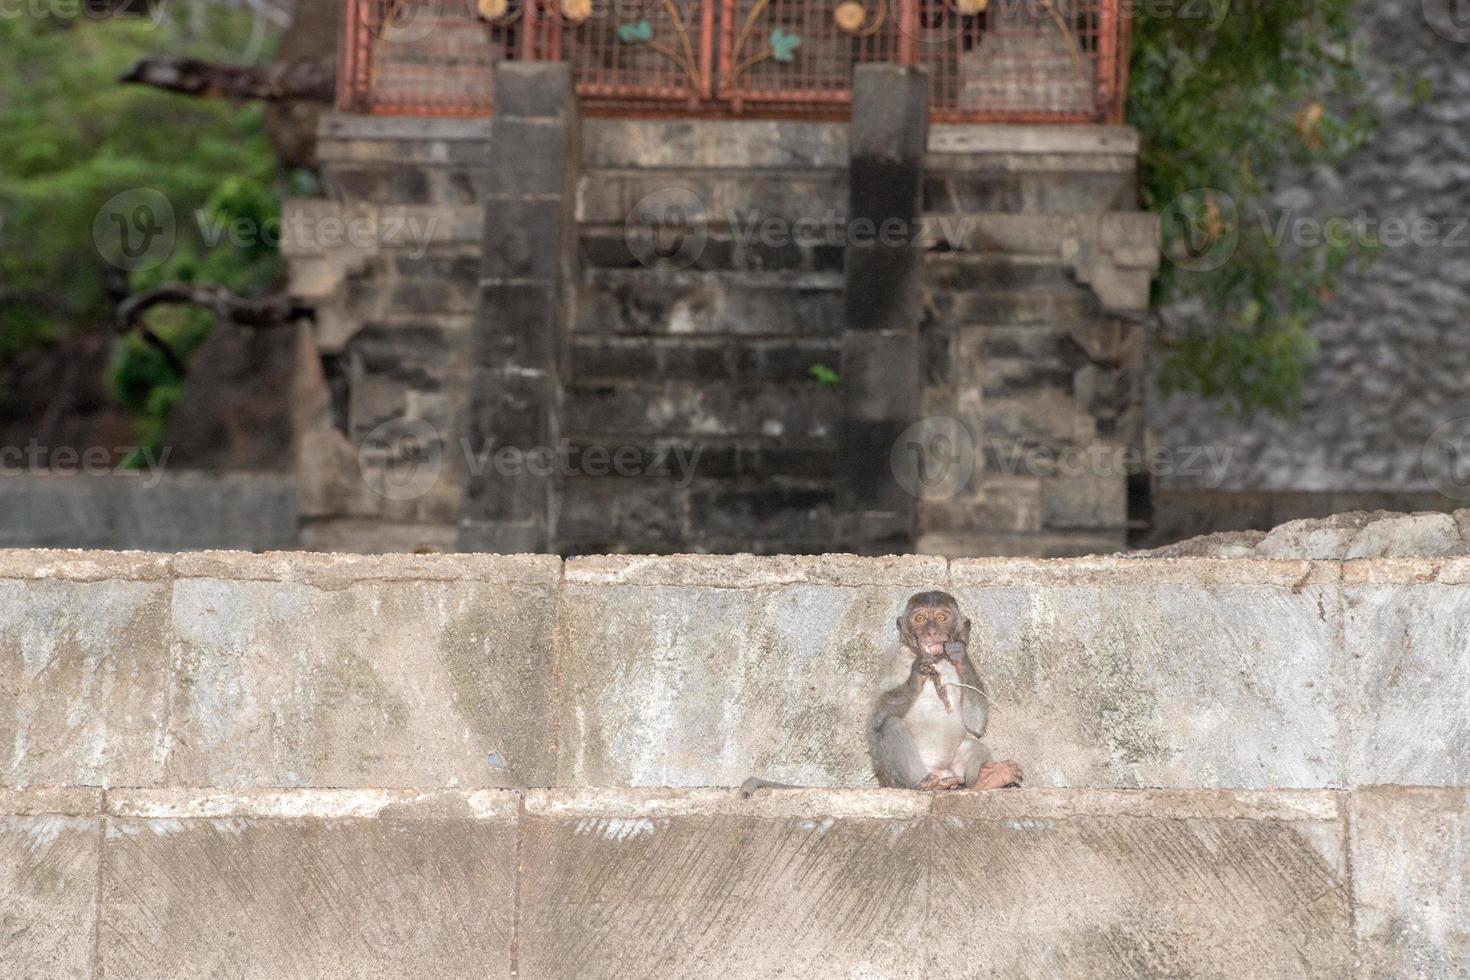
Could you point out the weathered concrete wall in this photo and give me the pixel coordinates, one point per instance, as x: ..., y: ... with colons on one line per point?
x: 831, y: 883
x: 234, y: 670
x: 147, y: 512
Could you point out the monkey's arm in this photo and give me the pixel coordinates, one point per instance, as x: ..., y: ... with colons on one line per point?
x: 974, y: 705
x: 896, y: 701
x: 896, y: 762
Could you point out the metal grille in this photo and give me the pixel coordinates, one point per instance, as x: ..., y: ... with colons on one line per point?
x: 626, y: 51
x: 988, y: 60
x: 426, y: 57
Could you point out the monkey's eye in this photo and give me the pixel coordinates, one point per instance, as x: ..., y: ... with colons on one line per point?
x: 919, y: 619
x: 941, y: 617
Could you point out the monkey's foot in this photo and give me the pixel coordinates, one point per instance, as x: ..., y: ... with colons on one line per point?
x: 996, y: 775
x: 940, y: 781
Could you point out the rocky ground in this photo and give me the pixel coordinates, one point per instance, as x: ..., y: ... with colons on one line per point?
x: 1357, y: 534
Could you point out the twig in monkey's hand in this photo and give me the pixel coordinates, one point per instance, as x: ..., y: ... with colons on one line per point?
x: 976, y: 690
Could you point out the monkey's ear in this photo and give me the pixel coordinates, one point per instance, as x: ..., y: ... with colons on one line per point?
x: 963, y: 630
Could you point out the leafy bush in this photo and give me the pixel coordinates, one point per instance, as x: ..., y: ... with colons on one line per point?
x: 72, y: 137
x: 1226, y: 105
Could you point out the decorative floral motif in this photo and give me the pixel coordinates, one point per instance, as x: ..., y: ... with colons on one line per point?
x: 851, y: 17
x: 784, y: 45
x: 636, y: 33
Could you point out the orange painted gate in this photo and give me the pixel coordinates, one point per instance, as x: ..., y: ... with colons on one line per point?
x: 988, y: 60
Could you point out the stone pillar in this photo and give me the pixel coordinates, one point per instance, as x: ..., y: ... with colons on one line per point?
x: 884, y: 304
x: 520, y: 335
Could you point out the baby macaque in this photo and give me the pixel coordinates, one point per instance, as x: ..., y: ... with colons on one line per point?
x: 925, y: 728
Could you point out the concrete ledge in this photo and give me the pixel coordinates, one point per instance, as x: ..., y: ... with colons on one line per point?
x: 633, y: 883
x: 238, y: 671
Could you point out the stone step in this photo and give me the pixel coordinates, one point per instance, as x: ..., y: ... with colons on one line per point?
x: 645, y: 301
x: 660, y: 883
x: 665, y: 512
x: 722, y: 250
x: 968, y: 271
x: 795, y: 414
x: 1046, y: 192
x: 740, y: 360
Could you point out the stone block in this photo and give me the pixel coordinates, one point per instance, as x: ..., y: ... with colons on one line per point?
x: 359, y: 682
x: 622, y: 883
x: 84, y: 682
x: 1097, y: 498
x: 750, y: 666
x: 1177, y: 681
x: 1411, y: 880
x: 309, y: 884
x: 48, y: 889
x: 1409, y: 653
x: 797, y: 415
x: 519, y: 323
x: 536, y: 89
x: 768, y: 304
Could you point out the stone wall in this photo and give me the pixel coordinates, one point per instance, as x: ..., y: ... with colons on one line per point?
x: 218, y: 669
x: 1036, y: 287
x: 698, y: 344
x: 658, y: 883
x: 298, y: 765
x: 143, y: 511
x: 1393, y: 358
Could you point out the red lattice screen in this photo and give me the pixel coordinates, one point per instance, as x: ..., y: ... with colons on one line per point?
x: 988, y: 60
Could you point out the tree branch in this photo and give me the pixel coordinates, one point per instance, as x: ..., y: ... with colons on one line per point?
x: 275, y: 310
x: 313, y: 80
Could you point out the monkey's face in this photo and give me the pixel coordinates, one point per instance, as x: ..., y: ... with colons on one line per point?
x: 930, y: 621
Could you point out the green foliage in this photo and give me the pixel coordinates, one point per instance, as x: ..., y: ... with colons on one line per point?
x: 1225, y: 105
x: 824, y: 375
x: 72, y: 137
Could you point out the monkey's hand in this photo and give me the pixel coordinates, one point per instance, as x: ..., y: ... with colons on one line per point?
x: 955, y: 651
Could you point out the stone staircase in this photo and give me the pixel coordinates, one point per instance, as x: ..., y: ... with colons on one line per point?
x: 708, y: 349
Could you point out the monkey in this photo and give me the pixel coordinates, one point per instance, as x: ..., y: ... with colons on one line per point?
x: 926, y: 724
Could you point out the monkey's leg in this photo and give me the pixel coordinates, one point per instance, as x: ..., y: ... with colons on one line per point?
x: 896, y: 761
x: 972, y: 755
x: 981, y: 773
